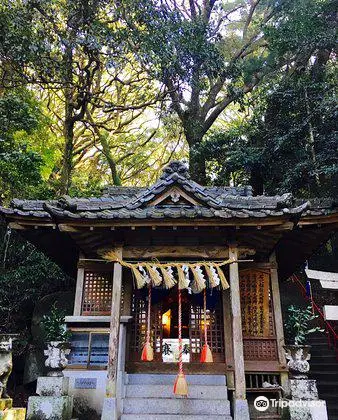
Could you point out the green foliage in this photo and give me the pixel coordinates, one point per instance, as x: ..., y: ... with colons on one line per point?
x: 188, y: 42
x: 302, y: 26
x: 54, y: 325
x: 27, y: 275
x: 288, y: 144
x: 21, y: 165
x: 282, y: 137
x: 298, y: 324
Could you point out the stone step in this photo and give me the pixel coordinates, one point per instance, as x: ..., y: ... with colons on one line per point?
x: 320, y: 355
x: 323, y: 374
x: 326, y: 387
x: 172, y: 417
x: 323, y: 365
x: 176, y: 406
x: 329, y: 396
x: 320, y: 345
x: 167, y: 379
x: 211, y: 392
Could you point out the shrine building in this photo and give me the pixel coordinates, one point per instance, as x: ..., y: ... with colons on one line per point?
x: 176, y: 266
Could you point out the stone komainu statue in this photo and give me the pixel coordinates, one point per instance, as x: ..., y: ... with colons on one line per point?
x: 6, y: 365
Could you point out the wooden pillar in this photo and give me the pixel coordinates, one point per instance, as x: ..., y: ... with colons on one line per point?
x: 127, y: 294
x: 227, y: 336
x: 79, y: 292
x: 114, y: 328
x: 237, y: 337
x: 240, y: 404
x: 277, y: 308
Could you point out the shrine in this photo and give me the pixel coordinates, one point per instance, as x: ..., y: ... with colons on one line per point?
x: 176, y: 282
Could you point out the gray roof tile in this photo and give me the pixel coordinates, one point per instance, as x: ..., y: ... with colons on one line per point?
x: 134, y: 202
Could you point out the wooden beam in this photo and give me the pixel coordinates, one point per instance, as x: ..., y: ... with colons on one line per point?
x: 250, y: 222
x: 114, y: 328
x: 198, y: 251
x: 16, y: 226
x: 79, y: 292
x: 237, y: 337
x: 258, y: 265
x: 229, y: 357
x: 25, y: 225
x: 313, y: 220
x: 277, y: 308
x: 70, y: 228
x: 174, y: 190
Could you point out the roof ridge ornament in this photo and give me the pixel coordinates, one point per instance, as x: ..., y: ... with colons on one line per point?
x: 176, y: 166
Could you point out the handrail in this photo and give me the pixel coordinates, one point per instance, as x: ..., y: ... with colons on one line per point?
x: 328, y: 327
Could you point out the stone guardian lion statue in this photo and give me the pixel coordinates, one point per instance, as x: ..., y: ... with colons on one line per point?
x: 6, y: 364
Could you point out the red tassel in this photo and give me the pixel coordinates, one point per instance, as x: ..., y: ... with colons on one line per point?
x: 180, y: 385
x: 147, y: 353
x: 206, y: 355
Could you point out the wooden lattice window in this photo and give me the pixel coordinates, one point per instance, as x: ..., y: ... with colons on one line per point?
x: 259, y: 339
x: 97, y: 293
x: 214, y: 332
x: 139, y: 327
x: 196, y: 333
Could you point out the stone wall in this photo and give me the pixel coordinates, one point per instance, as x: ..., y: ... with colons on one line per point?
x: 88, y: 389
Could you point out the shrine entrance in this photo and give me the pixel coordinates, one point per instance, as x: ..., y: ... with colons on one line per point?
x: 164, y: 327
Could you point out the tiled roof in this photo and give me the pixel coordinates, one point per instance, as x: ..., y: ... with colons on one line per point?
x: 136, y: 203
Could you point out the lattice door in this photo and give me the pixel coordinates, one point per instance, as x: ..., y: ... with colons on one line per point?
x: 259, y: 338
x: 215, y: 332
x: 97, y: 293
x: 139, y: 328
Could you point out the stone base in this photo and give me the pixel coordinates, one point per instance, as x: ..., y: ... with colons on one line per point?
x: 241, y: 409
x: 303, y: 389
x: 52, y: 386
x: 50, y: 408
x: 109, y: 411
x: 304, y: 404
x: 13, y: 414
x: 318, y: 412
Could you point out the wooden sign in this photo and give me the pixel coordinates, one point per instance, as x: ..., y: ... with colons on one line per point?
x: 254, y: 287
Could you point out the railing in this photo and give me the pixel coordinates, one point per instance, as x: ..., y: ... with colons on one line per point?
x: 332, y: 336
x: 255, y: 381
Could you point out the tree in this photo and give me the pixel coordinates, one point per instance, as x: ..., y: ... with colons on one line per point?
x: 214, y: 54
x: 71, y: 54
x: 284, y: 135
x: 20, y: 164
x: 56, y: 45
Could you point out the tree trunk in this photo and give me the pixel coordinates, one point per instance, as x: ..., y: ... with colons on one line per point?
x: 67, y: 164
x: 197, y: 164
x: 311, y: 142
x: 257, y: 181
x: 110, y: 160
x: 69, y: 122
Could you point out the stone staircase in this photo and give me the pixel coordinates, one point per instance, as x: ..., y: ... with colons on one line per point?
x: 150, y: 397
x: 324, y: 368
